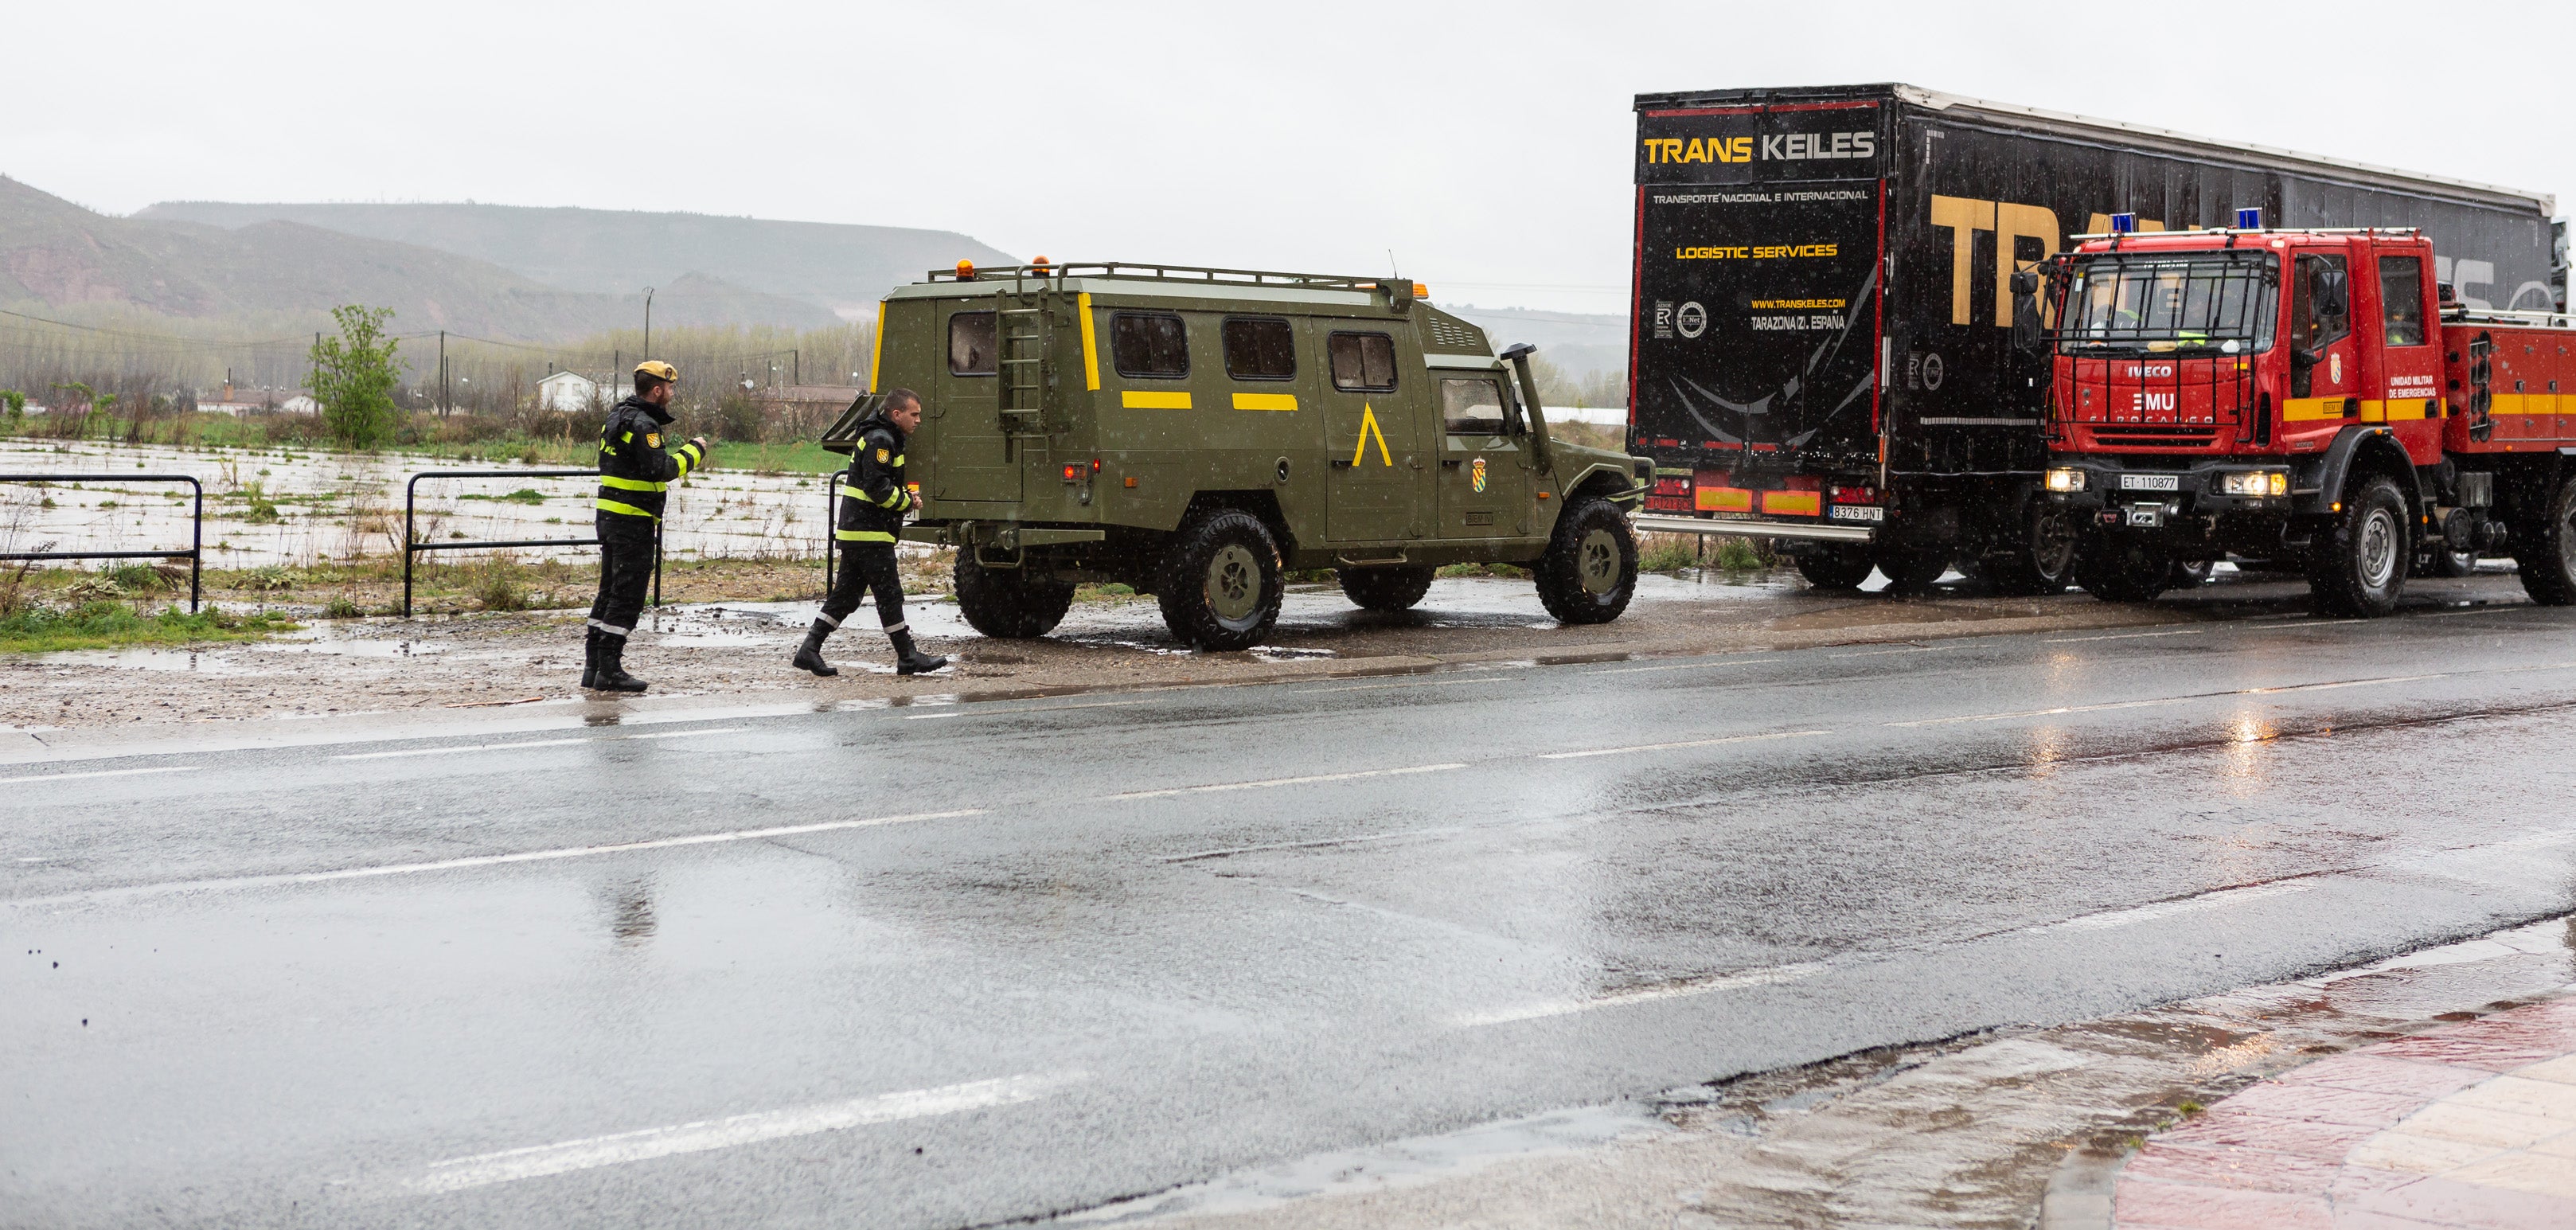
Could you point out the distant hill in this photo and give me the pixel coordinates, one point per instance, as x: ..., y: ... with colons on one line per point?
x: 830, y: 265
x: 57, y: 254
x: 1575, y: 341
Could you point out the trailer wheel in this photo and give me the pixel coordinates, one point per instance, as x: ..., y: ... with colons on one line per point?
x: 1386, y: 589
x: 2359, y: 566
x: 2547, y: 553
x: 2122, y: 568
x: 1005, y: 603
x: 1912, y: 570
x: 1836, y: 567
x: 1221, y: 582
x: 1590, y: 569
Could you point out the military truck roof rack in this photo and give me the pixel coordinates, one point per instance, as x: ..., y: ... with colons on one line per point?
x: 1162, y: 273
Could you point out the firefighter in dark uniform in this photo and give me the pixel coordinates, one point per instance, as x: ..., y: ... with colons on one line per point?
x: 874, y: 499
x: 634, y: 472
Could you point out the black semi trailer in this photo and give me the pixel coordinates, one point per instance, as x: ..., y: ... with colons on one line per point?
x: 1822, y: 350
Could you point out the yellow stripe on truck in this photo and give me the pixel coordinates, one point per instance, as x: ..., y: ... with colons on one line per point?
x: 1140, y: 399
x: 1265, y: 401
x: 1725, y: 499
x: 1793, y: 503
x: 876, y: 357
x: 1090, y: 346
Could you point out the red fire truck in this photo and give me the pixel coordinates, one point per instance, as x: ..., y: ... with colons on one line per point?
x: 2311, y: 399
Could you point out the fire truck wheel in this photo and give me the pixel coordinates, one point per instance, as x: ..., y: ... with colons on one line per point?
x: 2189, y: 573
x: 2548, y: 562
x: 1386, y: 589
x: 2043, y: 567
x: 1912, y: 570
x: 1221, y: 582
x: 1005, y: 603
x: 1836, y: 567
x: 1590, y: 569
x: 2121, y: 568
x: 2359, y: 566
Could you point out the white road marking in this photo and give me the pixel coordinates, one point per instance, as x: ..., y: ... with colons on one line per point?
x: 2523, y: 607
x: 1661, y: 747
x: 2123, y: 636
x: 65, y: 777
x: 508, y: 747
x: 1679, y: 666
x: 538, y: 1161
x: 1428, y: 683
x: 1104, y: 704
x: 2108, y: 919
x: 2168, y: 700
x: 1881, y: 653
x: 2313, y: 623
x: 496, y: 860
x: 1286, y: 781
x: 1765, y: 977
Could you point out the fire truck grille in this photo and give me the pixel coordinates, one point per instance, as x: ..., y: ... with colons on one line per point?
x: 2155, y: 435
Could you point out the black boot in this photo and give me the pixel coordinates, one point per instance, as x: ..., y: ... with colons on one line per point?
x: 612, y: 666
x: 590, y: 658
x: 810, y: 658
x: 908, y: 660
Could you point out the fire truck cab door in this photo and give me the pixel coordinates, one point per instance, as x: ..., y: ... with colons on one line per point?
x: 2325, y: 368
x: 2408, y: 370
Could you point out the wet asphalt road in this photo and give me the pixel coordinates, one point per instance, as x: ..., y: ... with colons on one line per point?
x: 952, y: 965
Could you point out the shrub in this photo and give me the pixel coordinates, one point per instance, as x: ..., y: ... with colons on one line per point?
x: 499, y: 586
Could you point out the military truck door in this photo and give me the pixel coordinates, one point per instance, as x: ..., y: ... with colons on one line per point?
x: 1484, y: 485
x: 974, y: 462
x: 1375, y: 437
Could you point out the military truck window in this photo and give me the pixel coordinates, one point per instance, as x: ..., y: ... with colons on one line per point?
x: 1471, y: 407
x: 2401, y: 299
x: 2320, y: 302
x: 1152, y: 344
x: 1362, y: 362
x: 1260, y: 349
x: 2135, y: 303
x: 974, y: 344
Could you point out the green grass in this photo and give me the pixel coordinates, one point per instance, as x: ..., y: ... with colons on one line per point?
x: 524, y: 495
x: 114, y: 625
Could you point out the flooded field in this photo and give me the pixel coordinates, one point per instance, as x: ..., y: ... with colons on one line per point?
x: 290, y: 507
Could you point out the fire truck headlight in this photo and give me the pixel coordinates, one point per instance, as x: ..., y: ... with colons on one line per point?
x: 2280, y: 482
x: 2065, y: 478
x: 2256, y: 483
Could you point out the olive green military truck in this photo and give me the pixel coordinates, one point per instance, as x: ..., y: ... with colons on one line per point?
x: 1197, y: 433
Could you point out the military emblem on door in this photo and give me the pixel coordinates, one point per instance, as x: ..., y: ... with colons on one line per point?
x: 1476, y: 474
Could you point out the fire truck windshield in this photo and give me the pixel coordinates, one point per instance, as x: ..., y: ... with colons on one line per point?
x: 2139, y: 302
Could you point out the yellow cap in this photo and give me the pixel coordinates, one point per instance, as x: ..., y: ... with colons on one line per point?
x: 658, y: 370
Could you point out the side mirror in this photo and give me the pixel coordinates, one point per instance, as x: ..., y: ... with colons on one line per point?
x: 2028, y: 337
x: 2025, y: 282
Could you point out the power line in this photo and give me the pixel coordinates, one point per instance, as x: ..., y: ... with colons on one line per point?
x: 155, y: 337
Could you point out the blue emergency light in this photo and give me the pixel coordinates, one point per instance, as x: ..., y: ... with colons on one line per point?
x: 2123, y: 224
x: 2249, y: 219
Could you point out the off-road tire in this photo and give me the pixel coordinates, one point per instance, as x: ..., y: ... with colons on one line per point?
x: 1387, y: 589
x: 2044, y: 565
x: 1221, y: 581
x: 1590, y: 570
x: 1004, y: 603
x: 2122, y: 568
x: 2545, y: 551
x: 1836, y: 567
x: 2358, y: 566
x: 1912, y: 570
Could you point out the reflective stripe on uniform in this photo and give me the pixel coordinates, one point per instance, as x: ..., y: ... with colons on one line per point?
x: 863, y: 535
x: 612, y: 506
x: 631, y: 484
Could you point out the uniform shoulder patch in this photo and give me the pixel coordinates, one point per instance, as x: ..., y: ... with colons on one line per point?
x: 883, y: 454
x: 653, y: 439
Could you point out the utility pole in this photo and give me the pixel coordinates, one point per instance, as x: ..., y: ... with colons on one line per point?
x: 648, y: 322
x: 795, y: 367
x: 442, y: 373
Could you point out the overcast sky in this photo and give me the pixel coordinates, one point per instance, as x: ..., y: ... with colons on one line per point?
x: 1486, y: 145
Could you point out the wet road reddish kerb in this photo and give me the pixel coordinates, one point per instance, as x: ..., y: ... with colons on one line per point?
x: 2469, y: 1126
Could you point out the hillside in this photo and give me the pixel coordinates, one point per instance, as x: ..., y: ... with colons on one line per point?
x: 59, y: 255
x: 829, y: 265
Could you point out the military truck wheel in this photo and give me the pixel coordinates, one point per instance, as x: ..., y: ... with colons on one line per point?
x: 2359, y: 566
x: 2121, y: 568
x: 1912, y: 569
x: 2545, y: 551
x: 1590, y: 569
x: 1005, y: 603
x: 1386, y: 589
x: 1836, y: 567
x: 1221, y: 582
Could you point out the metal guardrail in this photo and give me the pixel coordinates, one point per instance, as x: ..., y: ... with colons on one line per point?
x: 195, y: 554
x: 831, y: 524
x: 411, y: 549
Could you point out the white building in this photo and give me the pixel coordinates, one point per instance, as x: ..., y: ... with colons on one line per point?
x: 574, y: 393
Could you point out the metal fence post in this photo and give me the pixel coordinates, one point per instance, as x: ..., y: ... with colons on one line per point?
x: 195, y: 554
x: 411, y: 548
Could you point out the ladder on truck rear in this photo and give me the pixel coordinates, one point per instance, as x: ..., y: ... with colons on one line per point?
x: 1024, y: 325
